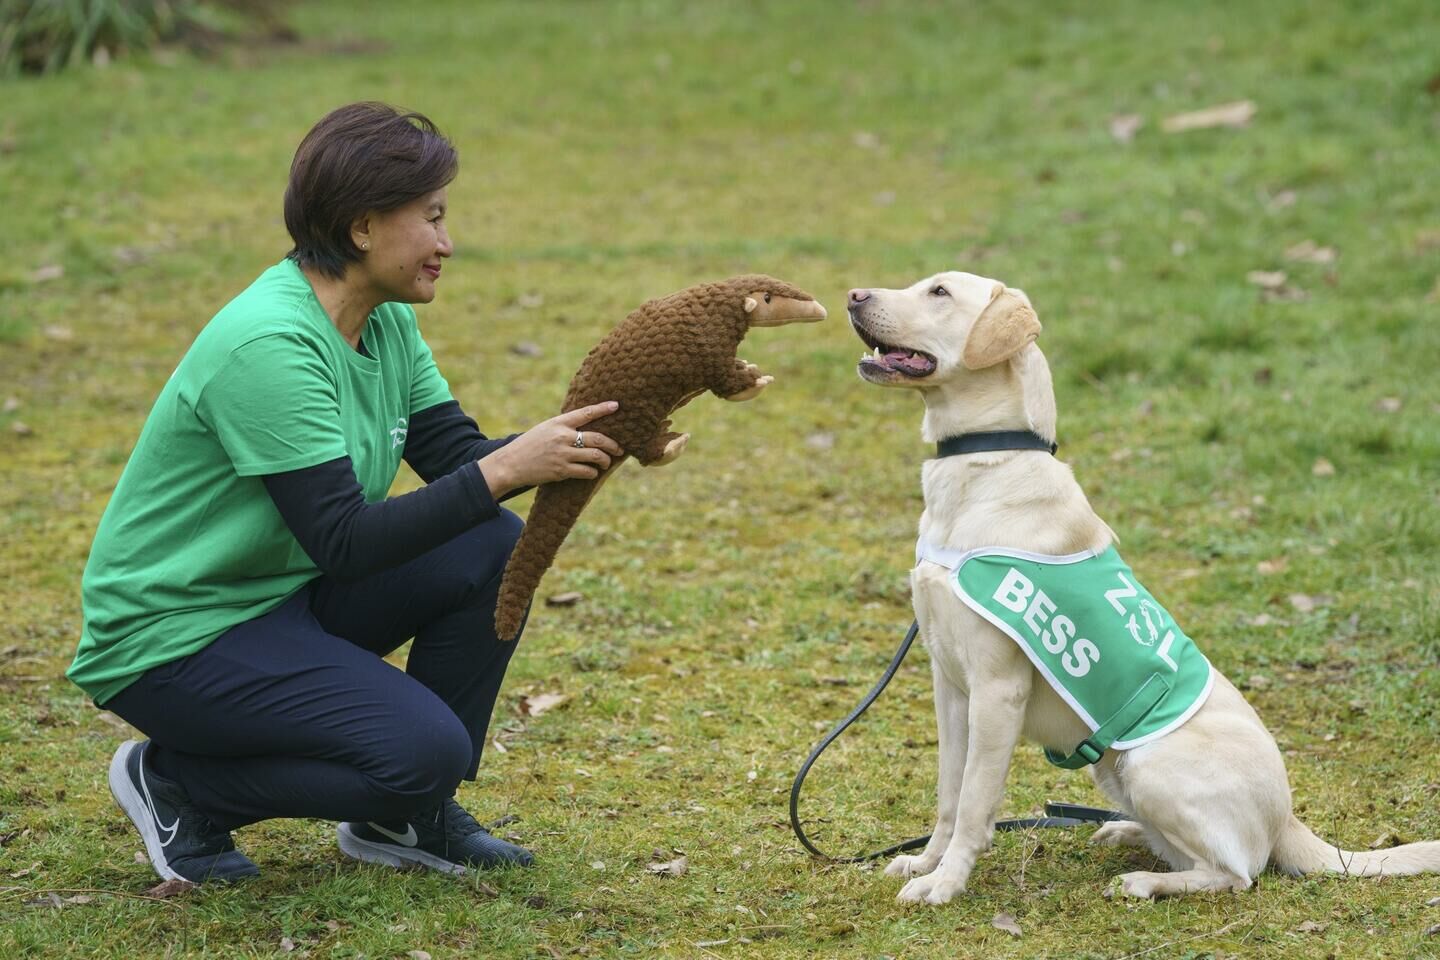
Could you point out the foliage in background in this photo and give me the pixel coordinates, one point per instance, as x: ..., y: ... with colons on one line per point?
x: 42, y: 36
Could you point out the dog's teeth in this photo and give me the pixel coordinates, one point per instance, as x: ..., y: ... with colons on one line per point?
x: 877, y: 353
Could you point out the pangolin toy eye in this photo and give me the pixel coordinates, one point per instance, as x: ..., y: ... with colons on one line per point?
x: 939, y: 292
x: 767, y: 298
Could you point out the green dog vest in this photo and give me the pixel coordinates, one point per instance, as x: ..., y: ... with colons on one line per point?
x: 1096, y: 635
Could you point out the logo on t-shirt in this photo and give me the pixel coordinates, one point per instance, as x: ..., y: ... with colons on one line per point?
x: 397, y: 433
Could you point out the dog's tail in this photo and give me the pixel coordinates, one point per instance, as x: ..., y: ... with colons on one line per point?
x: 1299, y: 851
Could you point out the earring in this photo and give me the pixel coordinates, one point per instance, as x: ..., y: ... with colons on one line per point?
x: 365, y: 245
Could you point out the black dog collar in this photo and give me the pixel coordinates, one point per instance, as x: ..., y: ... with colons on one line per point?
x: 994, y: 440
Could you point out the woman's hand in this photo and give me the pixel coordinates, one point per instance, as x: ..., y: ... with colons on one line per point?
x: 547, y: 452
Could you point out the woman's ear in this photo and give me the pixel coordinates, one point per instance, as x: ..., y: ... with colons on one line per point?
x: 360, y: 231
x: 1006, y: 325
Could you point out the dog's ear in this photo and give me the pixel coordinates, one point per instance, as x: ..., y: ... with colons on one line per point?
x: 1003, y: 329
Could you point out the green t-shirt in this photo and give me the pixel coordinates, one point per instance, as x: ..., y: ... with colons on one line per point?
x: 191, y: 543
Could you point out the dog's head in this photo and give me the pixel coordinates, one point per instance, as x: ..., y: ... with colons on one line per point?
x: 939, y: 328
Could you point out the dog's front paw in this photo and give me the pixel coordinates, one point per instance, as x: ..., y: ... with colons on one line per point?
x: 908, y: 866
x: 933, y: 888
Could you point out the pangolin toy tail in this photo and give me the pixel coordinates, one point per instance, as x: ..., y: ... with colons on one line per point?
x: 557, y: 506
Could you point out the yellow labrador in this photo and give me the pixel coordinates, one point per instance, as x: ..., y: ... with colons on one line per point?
x: 1211, y: 797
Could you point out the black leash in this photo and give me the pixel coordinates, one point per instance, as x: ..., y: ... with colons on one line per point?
x: 1057, y: 814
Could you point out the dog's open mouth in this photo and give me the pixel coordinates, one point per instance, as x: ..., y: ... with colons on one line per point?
x: 887, y: 358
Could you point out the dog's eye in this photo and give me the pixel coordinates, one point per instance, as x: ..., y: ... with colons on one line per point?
x: 939, y: 292
x: 767, y: 298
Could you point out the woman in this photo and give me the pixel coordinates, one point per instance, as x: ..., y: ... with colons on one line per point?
x: 249, y: 575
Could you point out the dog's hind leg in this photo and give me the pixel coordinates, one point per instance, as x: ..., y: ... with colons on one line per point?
x: 1120, y: 833
x: 1147, y: 885
x: 952, y: 722
x: 996, y: 715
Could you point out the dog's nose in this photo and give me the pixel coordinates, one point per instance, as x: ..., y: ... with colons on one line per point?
x: 859, y: 296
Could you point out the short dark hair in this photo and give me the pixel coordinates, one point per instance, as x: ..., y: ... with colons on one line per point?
x: 358, y: 158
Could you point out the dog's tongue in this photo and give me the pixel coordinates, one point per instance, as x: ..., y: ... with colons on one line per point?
x: 904, y: 358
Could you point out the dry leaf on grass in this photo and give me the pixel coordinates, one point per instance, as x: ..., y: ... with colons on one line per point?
x: 418, y: 955
x: 169, y: 888
x: 1305, y: 603
x: 1276, y: 565
x: 21, y: 429
x: 52, y: 271
x: 670, y: 868
x: 1123, y: 127
x: 1311, y: 926
x: 535, y: 705
x: 526, y: 348
x: 1237, y: 114
x: 1003, y: 921
x: 11, y: 405
x: 286, y: 944
x: 1267, y: 279
x: 1389, y: 404
x: 1323, y: 468
x: 1307, y: 252
x: 564, y: 599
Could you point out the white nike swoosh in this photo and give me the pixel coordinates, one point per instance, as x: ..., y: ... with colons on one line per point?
x: 173, y: 828
x: 408, y: 838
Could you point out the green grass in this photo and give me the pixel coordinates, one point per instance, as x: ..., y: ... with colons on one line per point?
x: 739, y: 601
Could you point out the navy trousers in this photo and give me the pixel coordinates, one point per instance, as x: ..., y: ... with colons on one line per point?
x: 296, y: 714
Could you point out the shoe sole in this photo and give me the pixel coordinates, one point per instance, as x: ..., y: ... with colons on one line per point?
x: 130, y: 801
x: 391, y: 855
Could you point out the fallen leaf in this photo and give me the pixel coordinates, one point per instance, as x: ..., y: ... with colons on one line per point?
x: 1283, y: 199
x: 78, y: 900
x: 820, y: 441
x: 670, y: 868
x: 1432, y: 930
x: 51, y: 271
x: 1267, y: 279
x: 1003, y: 921
x: 530, y: 301
x: 21, y: 429
x: 865, y: 140
x: 598, y: 865
x: 1124, y: 126
x: 526, y: 348
x: 11, y: 405
x: 1323, y: 468
x: 1305, y: 603
x: 712, y: 943
x: 1387, y: 839
x: 286, y: 944
x: 140, y: 858
x: 1237, y: 114
x: 1276, y: 565
x: 1432, y: 86
x: 1257, y: 681
x: 1433, y: 902
x: 541, y: 702
x: 57, y: 332
x: 1389, y: 404
x: 1307, y: 252
x: 169, y: 888
x: 564, y: 599
x: 418, y: 955
x: 25, y: 872
x: 1311, y: 926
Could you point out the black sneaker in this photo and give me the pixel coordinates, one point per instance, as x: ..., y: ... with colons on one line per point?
x: 182, y: 842
x: 443, y: 838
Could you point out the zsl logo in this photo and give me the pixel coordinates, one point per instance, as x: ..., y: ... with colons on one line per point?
x: 1018, y: 594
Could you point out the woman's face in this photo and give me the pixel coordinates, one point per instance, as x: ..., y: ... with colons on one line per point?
x: 407, y: 245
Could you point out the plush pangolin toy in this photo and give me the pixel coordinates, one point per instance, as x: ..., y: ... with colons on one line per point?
x: 660, y: 357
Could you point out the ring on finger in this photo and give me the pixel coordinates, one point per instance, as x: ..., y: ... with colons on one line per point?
x: 579, y: 440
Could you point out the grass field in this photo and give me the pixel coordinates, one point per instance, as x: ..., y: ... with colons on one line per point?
x: 1269, y: 450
